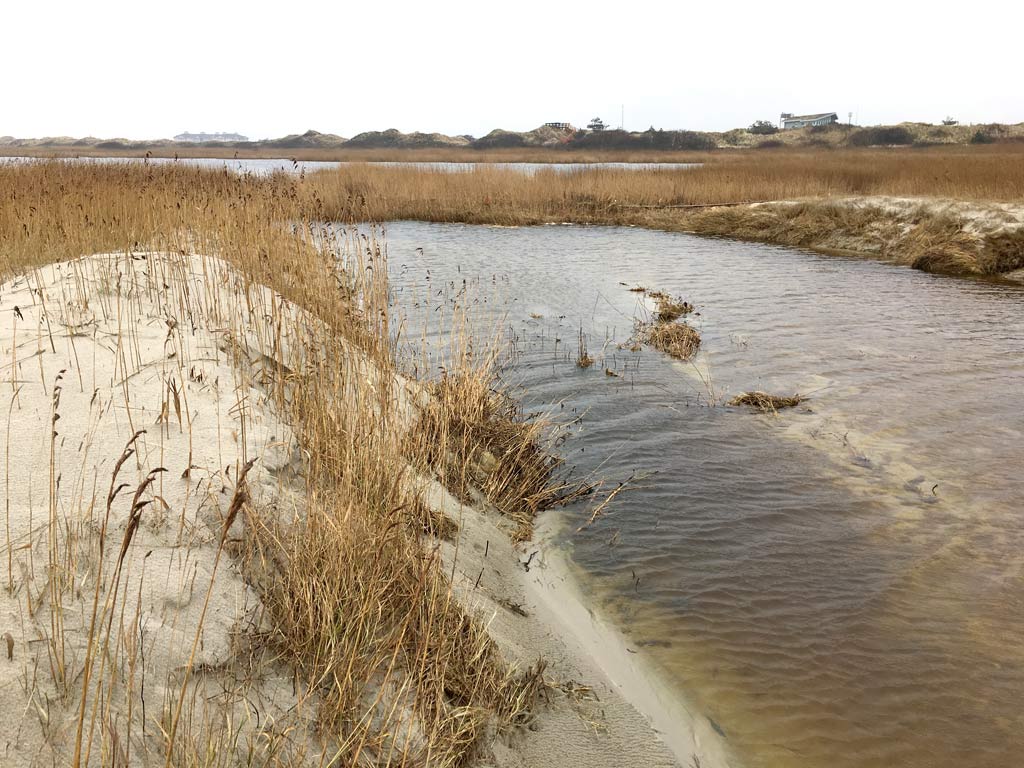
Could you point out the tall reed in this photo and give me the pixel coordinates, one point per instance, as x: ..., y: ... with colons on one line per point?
x: 360, y: 608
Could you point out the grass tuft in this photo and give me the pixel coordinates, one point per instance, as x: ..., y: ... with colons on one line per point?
x: 477, y: 441
x: 677, y: 340
x: 583, y: 358
x: 669, y: 308
x: 766, y: 403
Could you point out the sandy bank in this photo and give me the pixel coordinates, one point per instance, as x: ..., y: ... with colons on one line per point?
x: 606, y: 706
x: 931, y: 234
x: 136, y: 390
x: 133, y: 398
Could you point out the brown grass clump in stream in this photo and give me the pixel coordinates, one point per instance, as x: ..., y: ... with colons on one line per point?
x: 669, y: 308
x: 359, y: 614
x: 677, y: 340
x: 583, y: 358
x: 765, y: 402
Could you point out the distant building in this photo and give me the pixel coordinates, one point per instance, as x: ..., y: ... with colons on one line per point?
x: 197, y: 137
x: 560, y: 126
x: 790, y: 121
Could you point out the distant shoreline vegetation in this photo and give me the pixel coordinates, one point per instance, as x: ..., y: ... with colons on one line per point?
x: 539, y: 145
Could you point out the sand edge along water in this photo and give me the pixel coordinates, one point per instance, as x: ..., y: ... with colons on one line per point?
x: 135, y: 394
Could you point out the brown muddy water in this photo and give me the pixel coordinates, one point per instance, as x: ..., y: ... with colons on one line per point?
x: 838, y: 585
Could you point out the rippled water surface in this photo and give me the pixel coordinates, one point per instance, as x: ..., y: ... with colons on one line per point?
x: 838, y: 585
x: 262, y: 166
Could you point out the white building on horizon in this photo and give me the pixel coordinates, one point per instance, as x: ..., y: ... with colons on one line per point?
x: 790, y: 121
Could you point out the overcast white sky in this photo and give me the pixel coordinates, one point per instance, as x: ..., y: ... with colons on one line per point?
x: 138, y: 69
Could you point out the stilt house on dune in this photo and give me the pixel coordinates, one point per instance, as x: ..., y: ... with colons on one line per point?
x: 790, y: 120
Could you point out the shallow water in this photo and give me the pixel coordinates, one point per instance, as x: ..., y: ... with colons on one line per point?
x: 264, y: 166
x: 838, y: 585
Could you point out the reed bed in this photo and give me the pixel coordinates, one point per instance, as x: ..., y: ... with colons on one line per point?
x: 497, y: 195
x: 387, y: 667
x: 819, y: 194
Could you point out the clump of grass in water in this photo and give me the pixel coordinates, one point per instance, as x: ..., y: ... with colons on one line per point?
x: 765, y: 402
x: 677, y: 340
x: 669, y: 308
x: 583, y: 358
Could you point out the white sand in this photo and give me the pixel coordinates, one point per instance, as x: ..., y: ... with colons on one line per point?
x: 144, y: 344
x: 980, y: 218
x: 181, y: 347
x: 980, y: 221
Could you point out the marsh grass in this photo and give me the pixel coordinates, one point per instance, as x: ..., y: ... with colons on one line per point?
x: 687, y: 199
x: 714, y: 199
x: 538, y: 155
x: 610, y: 195
x: 357, y: 605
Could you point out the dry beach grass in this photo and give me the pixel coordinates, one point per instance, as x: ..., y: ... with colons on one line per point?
x: 307, y: 583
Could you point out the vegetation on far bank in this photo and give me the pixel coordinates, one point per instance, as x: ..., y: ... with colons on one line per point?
x: 880, y: 202
x: 498, y: 195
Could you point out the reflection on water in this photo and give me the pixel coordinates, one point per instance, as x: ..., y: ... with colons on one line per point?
x: 264, y: 166
x: 840, y: 585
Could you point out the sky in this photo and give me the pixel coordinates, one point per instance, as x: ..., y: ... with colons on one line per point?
x: 113, y: 68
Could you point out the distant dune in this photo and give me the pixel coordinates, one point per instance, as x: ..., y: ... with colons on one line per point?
x: 545, y: 138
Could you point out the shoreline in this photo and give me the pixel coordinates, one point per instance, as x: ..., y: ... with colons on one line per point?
x: 942, y: 237
x: 635, y: 718
x: 554, y: 138
x: 599, y: 704
x: 686, y: 732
